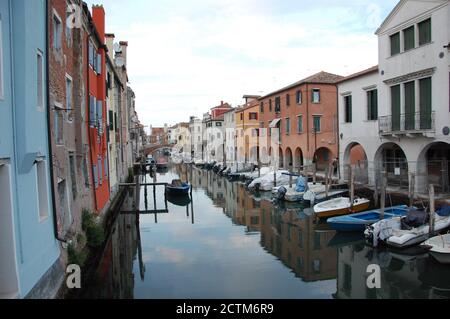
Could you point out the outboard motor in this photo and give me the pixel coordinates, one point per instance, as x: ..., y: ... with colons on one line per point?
x: 281, y: 193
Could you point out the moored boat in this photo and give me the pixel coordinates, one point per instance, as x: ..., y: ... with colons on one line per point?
x: 161, y: 163
x: 439, y: 248
x: 341, y: 206
x: 359, y: 221
x: 178, y: 188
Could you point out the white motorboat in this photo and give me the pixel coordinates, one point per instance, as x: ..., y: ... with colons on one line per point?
x: 439, y: 248
x: 392, y: 232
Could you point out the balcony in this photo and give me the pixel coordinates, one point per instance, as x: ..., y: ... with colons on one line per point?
x: 407, y: 124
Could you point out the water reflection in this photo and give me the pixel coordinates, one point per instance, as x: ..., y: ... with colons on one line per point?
x: 239, y: 245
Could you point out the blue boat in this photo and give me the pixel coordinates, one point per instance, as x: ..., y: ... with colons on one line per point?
x: 359, y: 221
x: 178, y: 188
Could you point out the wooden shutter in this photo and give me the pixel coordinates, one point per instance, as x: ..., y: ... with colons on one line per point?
x: 92, y: 111
x: 395, y: 43
x: 425, y: 103
x: 425, y: 32
x: 410, y: 105
x: 409, y: 38
x: 395, y: 107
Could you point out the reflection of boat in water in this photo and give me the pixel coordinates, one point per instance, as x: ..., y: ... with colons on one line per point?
x: 439, y: 248
x: 345, y: 239
x: 435, y: 276
x: 181, y: 201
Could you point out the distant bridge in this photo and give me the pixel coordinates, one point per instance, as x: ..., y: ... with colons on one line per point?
x: 154, y: 147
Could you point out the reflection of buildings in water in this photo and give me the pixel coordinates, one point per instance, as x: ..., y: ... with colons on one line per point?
x: 298, y: 243
x: 115, y: 271
x: 248, y: 210
x: 402, y: 276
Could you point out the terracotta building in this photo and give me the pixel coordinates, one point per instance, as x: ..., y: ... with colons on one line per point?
x: 303, y: 116
x: 247, y: 132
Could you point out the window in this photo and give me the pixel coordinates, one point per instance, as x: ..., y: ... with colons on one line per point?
x: 73, y: 175
x: 277, y: 105
x: 317, y: 124
x: 105, y: 166
x: 300, y: 124
x: 57, y: 32
x: 85, y: 173
x: 410, y: 105
x: 270, y: 105
x: 92, y: 111
x: 116, y: 126
x: 2, y: 95
x: 395, y: 107
x: 100, y: 114
x: 68, y: 29
x: 298, y: 97
x: 99, y: 64
x: 41, y: 175
x: 425, y: 103
x: 425, y: 32
x: 316, y: 96
x: 242, y: 116
x: 288, y: 126
x: 288, y: 100
x: 372, y: 105
x: 69, y: 97
x: 91, y: 54
x: 95, y: 172
x: 40, y: 80
x: 58, y: 125
x: 219, y: 124
x: 100, y: 170
x: 409, y: 38
x: 348, y: 108
x: 261, y: 107
x: 395, y: 43
x: 253, y: 116
x: 111, y: 120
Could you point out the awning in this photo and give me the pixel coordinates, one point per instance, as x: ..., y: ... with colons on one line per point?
x: 274, y: 123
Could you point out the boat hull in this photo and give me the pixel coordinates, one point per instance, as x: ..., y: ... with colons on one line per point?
x: 443, y: 258
x: 177, y: 191
x: 344, y: 211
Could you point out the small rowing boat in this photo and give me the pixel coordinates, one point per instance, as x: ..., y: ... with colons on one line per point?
x: 341, y: 206
x: 178, y: 188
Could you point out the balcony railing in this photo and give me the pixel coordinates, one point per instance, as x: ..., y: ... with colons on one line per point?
x: 409, y: 123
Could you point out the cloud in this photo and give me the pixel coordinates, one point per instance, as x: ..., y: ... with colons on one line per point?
x: 186, y: 56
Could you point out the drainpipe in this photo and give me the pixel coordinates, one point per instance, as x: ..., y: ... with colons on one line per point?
x: 307, y: 117
x: 49, y: 131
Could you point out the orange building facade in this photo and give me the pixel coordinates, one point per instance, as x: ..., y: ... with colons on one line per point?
x: 299, y: 123
x: 247, y: 132
x: 96, y: 108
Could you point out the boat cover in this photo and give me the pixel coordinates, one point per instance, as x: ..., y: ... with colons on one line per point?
x: 444, y: 211
x: 302, y: 185
x: 415, y: 218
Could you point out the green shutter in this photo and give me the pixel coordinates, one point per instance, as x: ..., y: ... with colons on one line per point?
x: 408, y: 38
x: 395, y: 107
x: 395, y: 43
x: 410, y: 105
x: 425, y: 32
x: 350, y: 105
x: 425, y: 103
x: 375, y: 105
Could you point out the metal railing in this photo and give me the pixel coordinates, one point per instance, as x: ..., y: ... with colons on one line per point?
x: 407, y: 123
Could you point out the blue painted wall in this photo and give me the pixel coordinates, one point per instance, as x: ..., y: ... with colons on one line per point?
x: 23, y: 131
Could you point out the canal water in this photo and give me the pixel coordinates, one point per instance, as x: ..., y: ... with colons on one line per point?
x: 228, y: 243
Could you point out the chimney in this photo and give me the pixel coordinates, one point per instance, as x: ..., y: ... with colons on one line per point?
x: 98, y: 15
x: 123, y: 54
x: 110, y: 45
x: 221, y: 103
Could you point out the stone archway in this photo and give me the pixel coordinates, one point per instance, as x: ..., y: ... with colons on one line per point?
x: 356, y: 156
x: 433, y: 167
x: 323, y: 157
x: 288, y: 159
x: 280, y: 158
x: 391, y: 158
x: 298, y: 159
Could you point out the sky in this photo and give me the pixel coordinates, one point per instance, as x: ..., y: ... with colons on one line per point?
x: 186, y: 56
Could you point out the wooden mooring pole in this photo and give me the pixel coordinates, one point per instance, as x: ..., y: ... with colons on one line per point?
x: 411, y: 189
x: 352, y: 185
x: 383, y: 195
x: 432, y: 211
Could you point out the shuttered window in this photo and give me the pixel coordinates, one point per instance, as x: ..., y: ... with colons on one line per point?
x: 425, y: 32
x: 317, y: 126
x: 395, y: 43
x: 425, y: 103
x: 95, y: 173
x: 300, y: 124
x: 395, y: 107
x: 288, y: 100
x: 100, y: 170
x: 91, y: 54
x: 92, y: 111
x: 99, y: 64
x: 372, y: 105
x: 348, y: 108
x: 299, y: 97
x: 409, y: 38
x: 270, y: 105
x: 410, y: 105
x: 288, y: 126
x: 261, y: 107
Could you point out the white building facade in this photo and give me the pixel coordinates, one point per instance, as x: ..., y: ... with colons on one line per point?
x: 411, y: 132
